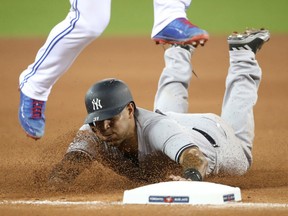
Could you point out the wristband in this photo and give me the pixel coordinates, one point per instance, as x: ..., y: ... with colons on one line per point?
x: 192, y: 174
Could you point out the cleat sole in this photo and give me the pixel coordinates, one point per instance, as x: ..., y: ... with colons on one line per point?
x: 197, y: 39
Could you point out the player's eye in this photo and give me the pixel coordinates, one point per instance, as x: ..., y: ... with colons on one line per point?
x: 93, y: 127
x: 98, y: 125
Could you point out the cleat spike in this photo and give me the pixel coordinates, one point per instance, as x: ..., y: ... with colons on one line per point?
x: 251, y: 39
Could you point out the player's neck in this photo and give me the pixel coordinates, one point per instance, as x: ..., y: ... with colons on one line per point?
x: 130, y: 145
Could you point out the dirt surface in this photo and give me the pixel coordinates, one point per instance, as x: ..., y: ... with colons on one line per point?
x: 24, y: 163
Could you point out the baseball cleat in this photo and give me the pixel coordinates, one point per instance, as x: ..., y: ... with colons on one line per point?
x: 251, y: 39
x: 31, y: 116
x: 181, y: 31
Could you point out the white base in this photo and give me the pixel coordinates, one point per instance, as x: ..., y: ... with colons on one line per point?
x: 182, y: 192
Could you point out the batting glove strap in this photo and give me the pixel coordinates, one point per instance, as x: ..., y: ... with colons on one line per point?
x: 192, y: 174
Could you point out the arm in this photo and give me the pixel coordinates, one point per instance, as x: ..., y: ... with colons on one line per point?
x: 194, y: 164
x: 71, y: 166
x: 179, y: 145
x: 79, y: 156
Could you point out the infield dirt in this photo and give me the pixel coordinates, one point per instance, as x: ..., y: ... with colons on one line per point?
x: 24, y: 163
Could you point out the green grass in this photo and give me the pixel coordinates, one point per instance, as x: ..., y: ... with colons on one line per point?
x: 227, y: 15
x: 31, y: 17
x: 23, y: 18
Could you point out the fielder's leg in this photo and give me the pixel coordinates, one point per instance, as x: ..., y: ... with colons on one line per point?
x: 85, y: 22
x: 172, y: 26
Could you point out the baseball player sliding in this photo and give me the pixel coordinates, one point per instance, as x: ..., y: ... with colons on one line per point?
x: 133, y: 141
x: 85, y: 22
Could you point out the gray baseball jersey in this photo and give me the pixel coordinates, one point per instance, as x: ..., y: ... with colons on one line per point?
x: 171, y: 133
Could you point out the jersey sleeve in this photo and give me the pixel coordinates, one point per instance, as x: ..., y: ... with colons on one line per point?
x: 169, y: 137
x: 85, y: 141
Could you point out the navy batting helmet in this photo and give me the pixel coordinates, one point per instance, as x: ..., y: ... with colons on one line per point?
x: 106, y: 99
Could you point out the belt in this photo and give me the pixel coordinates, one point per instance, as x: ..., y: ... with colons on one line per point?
x: 207, y: 136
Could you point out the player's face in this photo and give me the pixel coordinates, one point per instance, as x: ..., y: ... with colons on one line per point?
x: 116, y: 130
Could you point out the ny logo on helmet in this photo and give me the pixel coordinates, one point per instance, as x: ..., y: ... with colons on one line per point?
x: 96, y: 104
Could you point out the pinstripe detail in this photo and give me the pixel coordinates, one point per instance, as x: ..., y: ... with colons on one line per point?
x: 181, y: 150
x: 52, y: 44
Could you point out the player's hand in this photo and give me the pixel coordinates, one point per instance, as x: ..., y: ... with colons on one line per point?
x: 178, y: 178
x: 194, y: 164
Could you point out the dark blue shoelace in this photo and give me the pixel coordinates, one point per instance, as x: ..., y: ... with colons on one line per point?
x: 37, y: 109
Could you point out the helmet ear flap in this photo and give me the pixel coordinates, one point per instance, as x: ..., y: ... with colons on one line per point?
x: 105, y: 99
